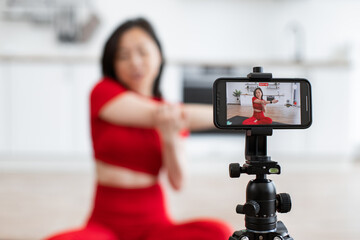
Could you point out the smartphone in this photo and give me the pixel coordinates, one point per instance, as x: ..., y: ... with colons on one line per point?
x: 277, y: 103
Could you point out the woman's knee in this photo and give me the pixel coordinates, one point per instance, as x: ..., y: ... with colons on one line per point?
x: 90, y: 232
x: 249, y: 121
x: 216, y: 229
x: 209, y: 229
x: 206, y: 229
x: 269, y: 120
x: 265, y: 120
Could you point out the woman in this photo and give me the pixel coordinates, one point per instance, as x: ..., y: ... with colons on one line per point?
x: 135, y: 135
x: 259, y: 106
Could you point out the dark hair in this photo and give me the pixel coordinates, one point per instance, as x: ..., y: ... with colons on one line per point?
x: 111, y: 45
x: 262, y: 94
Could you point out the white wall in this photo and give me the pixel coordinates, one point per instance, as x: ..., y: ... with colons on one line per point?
x: 226, y: 30
x: 245, y: 29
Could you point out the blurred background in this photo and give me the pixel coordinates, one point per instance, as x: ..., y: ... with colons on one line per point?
x: 49, y: 61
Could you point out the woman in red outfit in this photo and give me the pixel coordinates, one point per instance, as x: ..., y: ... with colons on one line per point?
x: 136, y: 135
x: 259, y: 105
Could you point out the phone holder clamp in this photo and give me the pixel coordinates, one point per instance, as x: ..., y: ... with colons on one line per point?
x: 258, y: 73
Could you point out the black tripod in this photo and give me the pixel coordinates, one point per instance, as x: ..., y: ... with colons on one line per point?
x: 262, y: 202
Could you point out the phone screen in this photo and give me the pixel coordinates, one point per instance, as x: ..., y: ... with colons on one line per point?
x: 278, y: 103
x: 263, y: 103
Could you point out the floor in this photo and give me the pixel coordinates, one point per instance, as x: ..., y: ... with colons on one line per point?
x: 287, y: 115
x: 325, y: 200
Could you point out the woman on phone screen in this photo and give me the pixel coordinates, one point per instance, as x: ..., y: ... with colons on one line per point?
x: 259, y: 107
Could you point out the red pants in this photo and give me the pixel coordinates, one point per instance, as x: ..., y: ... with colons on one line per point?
x: 258, y: 118
x: 134, y: 214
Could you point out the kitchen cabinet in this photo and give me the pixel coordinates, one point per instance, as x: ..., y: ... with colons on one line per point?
x: 4, y: 108
x: 45, y: 106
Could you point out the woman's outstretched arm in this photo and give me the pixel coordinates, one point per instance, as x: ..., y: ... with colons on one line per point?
x: 198, y: 116
x: 130, y: 109
x: 269, y: 102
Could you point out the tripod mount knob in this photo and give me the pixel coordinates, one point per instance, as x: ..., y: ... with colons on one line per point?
x: 251, y: 208
x: 234, y: 170
x: 283, y: 202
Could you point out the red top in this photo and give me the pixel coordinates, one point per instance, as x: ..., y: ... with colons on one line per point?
x: 131, y: 147
x: 257, y: 106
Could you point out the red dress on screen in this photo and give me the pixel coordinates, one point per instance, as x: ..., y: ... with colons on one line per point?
x: 258, y: 118
x: 133, y: 214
